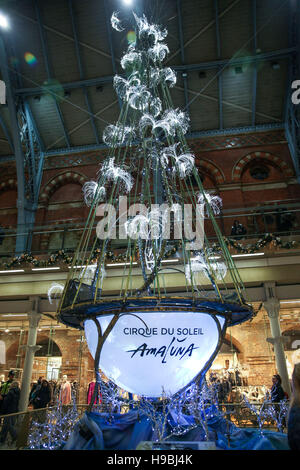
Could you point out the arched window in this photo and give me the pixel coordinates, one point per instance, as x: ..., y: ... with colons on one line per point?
x: 48, y: 360
x: 48, y: 346
x: 228, y: 348
x: 259, y: 171
x: 292, y: 340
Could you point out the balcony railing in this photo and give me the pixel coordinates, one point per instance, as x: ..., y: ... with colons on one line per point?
x: 282, y: 221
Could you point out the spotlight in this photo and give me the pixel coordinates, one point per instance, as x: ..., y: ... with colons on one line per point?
x: 3, y: 21
x: 6, y: 330
x: 127, y: 2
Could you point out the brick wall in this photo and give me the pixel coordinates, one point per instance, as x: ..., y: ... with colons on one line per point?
x: 224, y: 169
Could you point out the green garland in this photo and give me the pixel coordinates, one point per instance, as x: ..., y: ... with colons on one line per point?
x: 26, y: 259
x: 60, y: 257
x: 261, y: 243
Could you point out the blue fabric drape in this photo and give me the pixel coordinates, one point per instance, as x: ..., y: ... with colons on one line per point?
x: 101, y: 431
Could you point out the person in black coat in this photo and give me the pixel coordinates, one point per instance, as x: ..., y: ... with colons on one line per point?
x: 10, y: 405
x: 238, y: 230
x: 277, y: 393
x: 34, y: 391
x: 42, y: 398
x: 293, y: 420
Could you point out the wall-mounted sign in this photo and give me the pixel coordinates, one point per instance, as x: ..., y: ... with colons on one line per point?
x: 156, y: 351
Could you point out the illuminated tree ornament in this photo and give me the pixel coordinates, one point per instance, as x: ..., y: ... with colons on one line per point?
x: 115, y: 22
x: 214, y: 201
x: 92, y: 192
x: 54, y: 290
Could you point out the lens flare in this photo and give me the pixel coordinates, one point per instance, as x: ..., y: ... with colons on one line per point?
x: 131, y: 37
x: 30, y: 59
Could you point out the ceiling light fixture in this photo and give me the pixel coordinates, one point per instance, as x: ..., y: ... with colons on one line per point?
x: 12, y: 271
x: 120, y: 264
x: 14, y: 315
x: 46, y: 269
x: 247, y: 255
x: 4, y: 21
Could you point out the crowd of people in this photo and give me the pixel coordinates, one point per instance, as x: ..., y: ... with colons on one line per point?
x: 41, y: 396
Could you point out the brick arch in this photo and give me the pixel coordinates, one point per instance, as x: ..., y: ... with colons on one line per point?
x: 240, y: 166
x: 44, y: 339
x: 236, y: 344
x: 12, y: 350
x: 212, y: 169
x: 60, y: 180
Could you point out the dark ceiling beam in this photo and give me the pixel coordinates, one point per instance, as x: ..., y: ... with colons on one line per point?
x: 292, y: 112
x: 18, y: 82
x: 61, y: 34
x: 193, y: 135
x: 182, y: 54
x: 22, y: 204
x: 81, y: 71
x: 33, y: 157
x: 254, y: 84
x: 35, y: 128
x: 220, y: 79
x: 205, y: 28
x: 6, y: 132
x: 48, y: 67
x: 111, y: 46
x: 279, y: 54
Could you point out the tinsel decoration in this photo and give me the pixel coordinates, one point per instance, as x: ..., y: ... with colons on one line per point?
x: 51, y: 430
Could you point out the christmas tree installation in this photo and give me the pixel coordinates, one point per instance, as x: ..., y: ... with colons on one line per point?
x: 149, y: 196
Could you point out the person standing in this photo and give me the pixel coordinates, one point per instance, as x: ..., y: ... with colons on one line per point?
x: 238, y: 230
x: 10, y: 405
x: 42, y: 399
x: 277, y: 393
x: 5, y: 387
x: 293, y: 419
x: 43, y: 396
x: 34, y: 391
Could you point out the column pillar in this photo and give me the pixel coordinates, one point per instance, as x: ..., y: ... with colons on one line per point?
x: 34, y: 317
x: 272, y: 306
